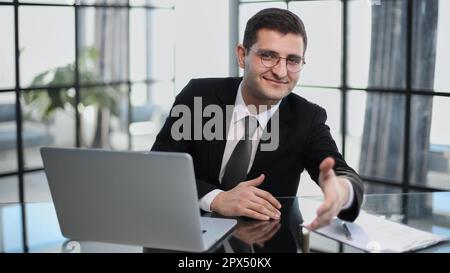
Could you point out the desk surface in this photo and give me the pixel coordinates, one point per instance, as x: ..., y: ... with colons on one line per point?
x: 425, y: 211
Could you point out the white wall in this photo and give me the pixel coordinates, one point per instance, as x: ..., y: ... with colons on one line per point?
x: 201, y: 40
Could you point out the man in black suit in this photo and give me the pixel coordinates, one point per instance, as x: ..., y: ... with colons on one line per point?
x: 235, y: 175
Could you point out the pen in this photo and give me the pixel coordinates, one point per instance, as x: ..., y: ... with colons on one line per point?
x: 347, y: 232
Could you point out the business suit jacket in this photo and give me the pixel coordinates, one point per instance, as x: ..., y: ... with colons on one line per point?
x: 304, y: 141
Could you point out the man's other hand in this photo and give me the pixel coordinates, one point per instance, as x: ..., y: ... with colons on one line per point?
x: 247, y: 200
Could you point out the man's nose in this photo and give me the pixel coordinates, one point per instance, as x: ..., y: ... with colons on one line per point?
x: 280, y: 68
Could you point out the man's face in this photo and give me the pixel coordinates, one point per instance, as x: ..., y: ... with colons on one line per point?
x: 269, y: 85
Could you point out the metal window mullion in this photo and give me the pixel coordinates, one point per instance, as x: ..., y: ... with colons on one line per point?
x: 19, y: 129
x: 129, y: 85
x: 409, y: 54
x: 344, y: 88
x: 77, y: 81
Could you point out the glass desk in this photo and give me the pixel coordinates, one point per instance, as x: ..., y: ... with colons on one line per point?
x: 41, y: 233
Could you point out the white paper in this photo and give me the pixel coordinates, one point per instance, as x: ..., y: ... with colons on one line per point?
x: 372, y: 233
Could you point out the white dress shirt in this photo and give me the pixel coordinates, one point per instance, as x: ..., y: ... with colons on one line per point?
x: 235, y: 133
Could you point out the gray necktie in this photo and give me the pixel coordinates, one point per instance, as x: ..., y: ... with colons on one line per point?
x: 236, y: 169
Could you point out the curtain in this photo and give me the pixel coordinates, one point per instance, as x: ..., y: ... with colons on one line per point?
x: 383, y: 136
x: 104, y: 53
x: 111, y: 39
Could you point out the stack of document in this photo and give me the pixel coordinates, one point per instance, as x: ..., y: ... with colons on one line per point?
x: 372, y: 233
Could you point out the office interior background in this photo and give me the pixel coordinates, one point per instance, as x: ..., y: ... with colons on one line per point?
x: 104, y: 74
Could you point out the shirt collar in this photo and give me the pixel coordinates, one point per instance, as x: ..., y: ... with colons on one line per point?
x: 241, y: 111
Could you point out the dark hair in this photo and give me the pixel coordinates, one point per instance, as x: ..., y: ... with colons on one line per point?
x: 281, y: 20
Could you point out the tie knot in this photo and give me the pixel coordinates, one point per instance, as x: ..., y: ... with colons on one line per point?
x: 251, y: 123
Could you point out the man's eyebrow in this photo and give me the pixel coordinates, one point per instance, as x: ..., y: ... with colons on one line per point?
x: 274, y: 52
x: 294, y: 55
x: 268, y: 51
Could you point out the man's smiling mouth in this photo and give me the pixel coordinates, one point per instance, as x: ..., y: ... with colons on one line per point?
x: 275, y: 81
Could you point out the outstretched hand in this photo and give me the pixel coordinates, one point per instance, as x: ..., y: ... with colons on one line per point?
x: 336, y: 194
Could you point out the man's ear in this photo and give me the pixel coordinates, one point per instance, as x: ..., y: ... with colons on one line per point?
x: 240, y: 55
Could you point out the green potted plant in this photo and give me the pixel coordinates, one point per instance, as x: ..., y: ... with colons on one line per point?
x: 105, y: 99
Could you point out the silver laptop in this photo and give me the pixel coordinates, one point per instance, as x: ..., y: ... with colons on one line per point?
x: 147, y: 199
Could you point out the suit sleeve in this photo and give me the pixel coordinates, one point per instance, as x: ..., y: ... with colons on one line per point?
x: 166, y: 143
x: 321, y: 145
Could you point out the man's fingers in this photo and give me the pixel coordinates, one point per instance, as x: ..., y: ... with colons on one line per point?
x: 325, y: 206
x: 323, y: 219
x: 327, y: 216
x: 326, y: 212
x: 267, y: 196
x: 328, y: 176
x: 328, y: 209
x: 266, y: 204
x: 261, y: 205
x: 254, y: 214
x: 262, y: 209
x: 316, y: 224
x: 255, y: 182
x: 326, y: 165
x: 263, y: 194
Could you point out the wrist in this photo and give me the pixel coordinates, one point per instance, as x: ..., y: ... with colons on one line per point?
x: 345, y: 190
x: 216, y: 201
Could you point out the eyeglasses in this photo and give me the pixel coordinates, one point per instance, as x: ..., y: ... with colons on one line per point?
x: 270, y: 59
